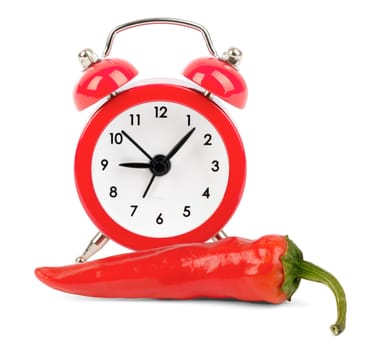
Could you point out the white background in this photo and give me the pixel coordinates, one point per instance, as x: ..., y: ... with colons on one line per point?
x: 307, y: 132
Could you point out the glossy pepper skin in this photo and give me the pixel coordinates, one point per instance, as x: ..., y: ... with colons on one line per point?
x: 268, y: 269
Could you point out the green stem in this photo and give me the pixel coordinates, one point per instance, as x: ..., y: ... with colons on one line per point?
x: 311, y: 272
x: 295, y: 268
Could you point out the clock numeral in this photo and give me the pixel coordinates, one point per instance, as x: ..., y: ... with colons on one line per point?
x: 159, y: 220
x: 104, y: 163
x: 134, y: 207
x: 116, y: 138
x: 216, y: 166
x: 135, y: 119
x: 113, y: 191
x: 208, y: 139
x: 186, y: 211
x: 188, y: 116
x: 206, y: 193
x: 161, y: 112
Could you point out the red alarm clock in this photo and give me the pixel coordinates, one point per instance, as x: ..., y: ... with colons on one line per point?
x: 159, y: 163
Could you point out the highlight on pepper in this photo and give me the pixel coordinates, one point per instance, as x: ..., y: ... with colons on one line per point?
x: 268, y: 269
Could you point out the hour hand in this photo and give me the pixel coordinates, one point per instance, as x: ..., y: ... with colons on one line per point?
x: 136, y: 165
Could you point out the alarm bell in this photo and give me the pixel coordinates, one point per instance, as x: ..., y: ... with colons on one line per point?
x: 220, y: 77
x: 101, y: 78
x: 217, y: 75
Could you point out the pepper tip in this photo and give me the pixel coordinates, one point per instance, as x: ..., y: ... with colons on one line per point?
x: 39, y: 273
x: 43, y: 274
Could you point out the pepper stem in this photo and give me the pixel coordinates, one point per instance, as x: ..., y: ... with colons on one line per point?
x: 312, y: 272
x: 295, y: 268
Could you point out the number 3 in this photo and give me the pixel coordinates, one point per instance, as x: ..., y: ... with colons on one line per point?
x: 216, y: 166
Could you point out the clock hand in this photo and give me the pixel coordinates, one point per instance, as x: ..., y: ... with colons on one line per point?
x: 178, y: 145
x: 160, y: 164
x: 149, y: 185
x: 136, y: 165
x: 136, y: 144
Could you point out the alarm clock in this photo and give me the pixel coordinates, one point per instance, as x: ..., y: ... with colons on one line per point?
x: 159, y: 162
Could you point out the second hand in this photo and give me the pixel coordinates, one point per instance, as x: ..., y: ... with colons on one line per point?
x: 149, y: 185
x: 136, y: 144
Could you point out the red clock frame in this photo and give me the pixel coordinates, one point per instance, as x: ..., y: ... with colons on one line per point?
x: 171, y: 93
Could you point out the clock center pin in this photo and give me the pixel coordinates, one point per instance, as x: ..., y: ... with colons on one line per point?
x: 160, y: 165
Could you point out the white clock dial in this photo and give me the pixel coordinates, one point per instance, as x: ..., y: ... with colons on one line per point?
x: 144, y: 186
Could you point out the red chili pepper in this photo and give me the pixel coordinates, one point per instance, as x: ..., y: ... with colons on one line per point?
x: 268, y: 269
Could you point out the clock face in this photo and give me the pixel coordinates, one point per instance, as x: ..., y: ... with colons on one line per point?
x: 159, y: 164
x: 160, y: 169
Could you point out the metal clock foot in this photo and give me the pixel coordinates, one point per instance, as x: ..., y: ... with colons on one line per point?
x: 220, y: 235
x: 95, y: 245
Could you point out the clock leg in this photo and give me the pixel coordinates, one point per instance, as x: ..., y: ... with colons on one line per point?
x: 218, y: 236
x: 96, y: 244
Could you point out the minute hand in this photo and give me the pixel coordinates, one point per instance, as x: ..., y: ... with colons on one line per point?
x: 178, y: 145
